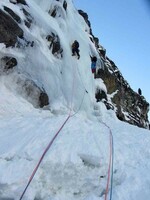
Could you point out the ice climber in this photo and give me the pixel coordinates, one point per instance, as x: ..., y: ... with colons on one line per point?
x: 93, y: 65
x: 75, y: 49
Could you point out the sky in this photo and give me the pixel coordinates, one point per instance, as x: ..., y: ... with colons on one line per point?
x: 123, y: 28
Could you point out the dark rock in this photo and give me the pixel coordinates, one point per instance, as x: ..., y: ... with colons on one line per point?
x: 65, y: 5
x: 13, y: 15
x: 9, y: 30
x: 55, y: 45
x: 100, y: 94
x: 102, y: 52
x: 43, y: 99
x: 21, y: 2
x: 86, y: 18
x: 18, y: 1
x: 32, y: 44
x: 27, y: 23
x: 13, y: 1
x: 26, y: 13
x: 29, y: 18
x: 53, y: 13
x: 30, y: 91
x: 94, y: 39
x: 49, y: 38
x: 108, y: 105
x: 57, y: 11
x: 24, y: 43
x: 9, y: 62
x: 125, y: 99
x: 139, y: 91
x: 120, y: 116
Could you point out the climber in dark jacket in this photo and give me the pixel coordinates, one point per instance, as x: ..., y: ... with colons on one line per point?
x: 75, y: 49
x: 140, y: 91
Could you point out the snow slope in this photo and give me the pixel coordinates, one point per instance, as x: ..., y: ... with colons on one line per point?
x: 76, y: 165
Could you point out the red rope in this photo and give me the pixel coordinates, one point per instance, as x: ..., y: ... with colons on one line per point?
x: 110, y: 159
x: 109, y: 167
x: 51, y: 142
x: 45, y: 151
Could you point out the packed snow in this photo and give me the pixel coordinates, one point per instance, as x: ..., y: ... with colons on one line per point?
x: 76, y: 165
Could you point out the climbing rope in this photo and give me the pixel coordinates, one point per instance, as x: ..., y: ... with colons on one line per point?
x: 111, y: 154
x: 41, y: 158
x: 51, y: 142
x: 85, y: 92
x: 111, y: 150
x: 111, y: 163
x: 110, y: 167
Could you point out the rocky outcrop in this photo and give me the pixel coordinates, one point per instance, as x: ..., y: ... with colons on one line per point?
x: 129, y: 106
x: 25, y: 87
x: 30, y: 91
x: 9, y: 30
x: 58, y: 10
x: 29, y: 19
x: 86, y: 18
x: 43, y: 99
x: 18, y: 1
x: 65, y: 5
x: 12, y: 14
x: 8, y: 63
x: 54, y: 45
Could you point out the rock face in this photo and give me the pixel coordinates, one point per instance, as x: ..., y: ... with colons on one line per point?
x: 57, y: 10
x: 129, y: 106
x: 9, y: 30
x: 18, y: 1
x: 8, y: 63
x: 30, y: 91
x: 55, y: 45
x: 23, y: 85
x: 29, y: 19
x: 13, y: 15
